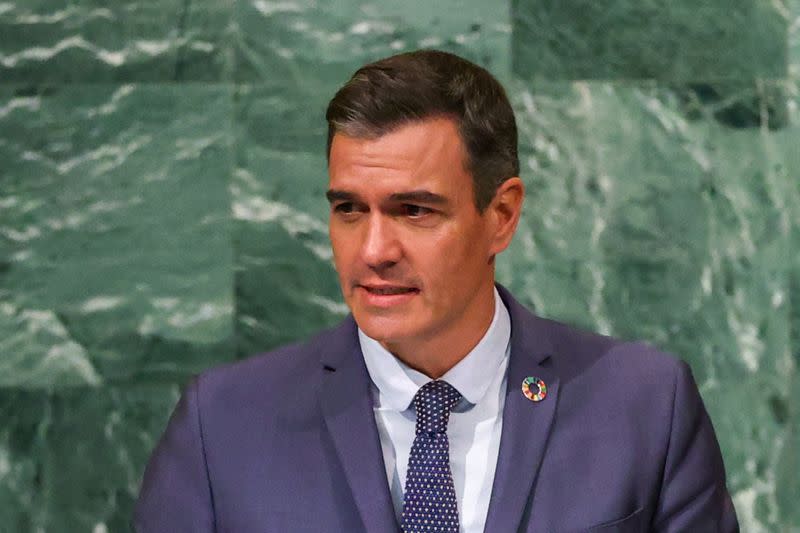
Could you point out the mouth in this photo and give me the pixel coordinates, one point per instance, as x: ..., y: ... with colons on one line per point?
x: 385, y: 296
x: 388, y: 290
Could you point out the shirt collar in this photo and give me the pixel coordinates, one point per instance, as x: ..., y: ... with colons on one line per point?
x: 397, y: 383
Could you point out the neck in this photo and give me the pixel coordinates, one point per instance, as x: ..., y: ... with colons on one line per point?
x: 440, y: 351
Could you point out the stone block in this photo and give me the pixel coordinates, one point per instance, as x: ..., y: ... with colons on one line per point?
x: 302, y: 44
x: 648, y: 220
x: 93, y: 41
x: 286, y: 287
x: 75, y: 458
x: 649, y: 39
x: 116, y: 232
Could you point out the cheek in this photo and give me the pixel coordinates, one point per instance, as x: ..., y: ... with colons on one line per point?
x: 342, y: 263
x: 450, y: 259
x: 341, y: 247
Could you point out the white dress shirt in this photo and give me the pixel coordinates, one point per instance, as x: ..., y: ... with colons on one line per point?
x: 475, y: 423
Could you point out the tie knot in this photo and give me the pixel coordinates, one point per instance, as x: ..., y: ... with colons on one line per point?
x: 433, y: 403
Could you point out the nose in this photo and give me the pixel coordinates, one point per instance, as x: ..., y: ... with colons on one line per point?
x: 380, y: 247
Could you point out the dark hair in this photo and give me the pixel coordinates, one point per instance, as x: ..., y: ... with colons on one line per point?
x: 413, y: 86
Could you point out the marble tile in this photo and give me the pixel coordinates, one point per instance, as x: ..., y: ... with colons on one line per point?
x: 73, y: 461
x: 620, y: 39
x: 788, y: 461
x: 116, y: 220
x: 649, y: 220
x: 286, y: 288
x: 792, y: 13
x: 93, y: 41
x: 787, y: 480
x: 300, y: 44
x: 23, y: 421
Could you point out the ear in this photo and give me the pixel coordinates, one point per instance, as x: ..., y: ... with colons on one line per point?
x: 504, y: 210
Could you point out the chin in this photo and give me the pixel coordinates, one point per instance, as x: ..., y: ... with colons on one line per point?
x: 384, y: 329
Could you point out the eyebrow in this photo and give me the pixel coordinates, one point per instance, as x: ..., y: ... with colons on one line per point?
x: 419, y: 196
x: 422, y: 197
x: 336, y: 195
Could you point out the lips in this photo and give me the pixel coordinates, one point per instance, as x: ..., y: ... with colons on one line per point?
x: 389, y: 290
x: 386, y: 296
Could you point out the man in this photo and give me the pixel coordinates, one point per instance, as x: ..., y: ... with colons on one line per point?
x: 440, y: 403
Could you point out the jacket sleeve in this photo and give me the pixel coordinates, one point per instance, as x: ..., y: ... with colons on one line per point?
x: 175, y: 496
x: 693, y: 494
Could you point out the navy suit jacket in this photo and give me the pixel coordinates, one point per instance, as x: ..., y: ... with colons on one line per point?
x: 287, y: 442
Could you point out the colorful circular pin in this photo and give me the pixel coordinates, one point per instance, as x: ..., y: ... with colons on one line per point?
x: 534, y: 389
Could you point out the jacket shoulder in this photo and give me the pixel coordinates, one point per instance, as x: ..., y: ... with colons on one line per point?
x: 577, y: 351
x: 610, y: 363
x: 269, y: 374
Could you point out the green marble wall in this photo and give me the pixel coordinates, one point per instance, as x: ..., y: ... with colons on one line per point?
x: 161, y: 210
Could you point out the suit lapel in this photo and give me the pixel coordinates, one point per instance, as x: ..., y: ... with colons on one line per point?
x: 347, y: 410
x: 526, y: 424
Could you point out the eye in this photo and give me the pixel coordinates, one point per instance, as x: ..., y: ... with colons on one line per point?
x: 416, y: 211
x: 347, y: 211
x: 344, y: 208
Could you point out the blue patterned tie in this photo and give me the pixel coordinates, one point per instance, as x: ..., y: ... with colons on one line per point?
x: 430, y: 498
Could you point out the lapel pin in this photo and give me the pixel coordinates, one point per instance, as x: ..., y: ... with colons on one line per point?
x: 534, y: 389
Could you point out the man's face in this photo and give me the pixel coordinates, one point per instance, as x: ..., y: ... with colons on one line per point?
x: 412, y: 251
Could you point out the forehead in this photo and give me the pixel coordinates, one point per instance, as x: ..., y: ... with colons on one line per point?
x: 427, y: 154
